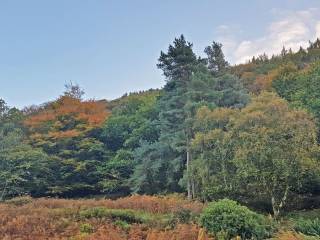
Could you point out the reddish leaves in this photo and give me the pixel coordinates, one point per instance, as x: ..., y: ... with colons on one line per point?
x: 66, y: 118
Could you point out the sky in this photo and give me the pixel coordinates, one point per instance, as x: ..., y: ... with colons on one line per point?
x: 110, y: 47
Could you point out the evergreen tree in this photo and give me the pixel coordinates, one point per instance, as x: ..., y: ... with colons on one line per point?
x: 178, y: 63
x: 189, y: 86
x: 215, y: 59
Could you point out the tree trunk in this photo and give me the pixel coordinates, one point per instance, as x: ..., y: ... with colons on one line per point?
x: 193, y: 189
x: 276, y: 207
x: 188, y: 175
x: 3, y: 191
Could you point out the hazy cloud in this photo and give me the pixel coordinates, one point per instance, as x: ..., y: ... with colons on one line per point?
x: 290, y: 29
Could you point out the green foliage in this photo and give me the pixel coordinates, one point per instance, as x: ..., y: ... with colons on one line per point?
x: 275, y: 147
x: 116, y: 131
x: 183, y: 215
x: 227, y: 219
x: 215, y: 59
x: 199, y: 134
x: 122, y: 224
x: 178, y: 63
x: 212, y: 168
x: 265, y: 148
x: 23, y: 169
x: 116, y: 171
x: 125, y: 217
x: 304, y: 214
x: 128, y: 216
x: 86, y: 228
x: 124, y: 131
x: 302, y: 89
x: 150, y: 173
x: 261, y: 66
x: 308, y: 226
x: 163, y: 166
x: 67, y: 130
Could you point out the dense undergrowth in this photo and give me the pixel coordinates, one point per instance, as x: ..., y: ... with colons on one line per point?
x: 133, y: 218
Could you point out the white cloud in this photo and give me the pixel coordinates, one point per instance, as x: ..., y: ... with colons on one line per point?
x: 226, y: 35
x: 318, y: 29
x: 290, y: 29
x: 223, y: 28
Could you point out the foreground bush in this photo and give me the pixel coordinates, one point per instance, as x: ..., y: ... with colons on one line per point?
x: 308, y: 226
x: 128, y: 216
x: 227, y: 219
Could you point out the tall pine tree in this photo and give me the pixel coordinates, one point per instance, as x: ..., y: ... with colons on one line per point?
x: 189, y: 86
x: 216, y: 62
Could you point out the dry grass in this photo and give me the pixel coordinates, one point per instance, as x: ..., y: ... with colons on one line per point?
x: 152, y: 204
x: 59, y: 219
x: 181, y: 232
x: 41, y: 219
x: 290, y: 235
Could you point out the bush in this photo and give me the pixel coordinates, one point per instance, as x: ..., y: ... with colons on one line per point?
x: 128, y: 216
x: 86, y: 228
x: 308, y: 226
x: 227, y: 219
x: 183, y: 215
x: 122, y: 224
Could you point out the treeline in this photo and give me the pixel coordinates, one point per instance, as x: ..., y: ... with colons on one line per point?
x: 247, y: 132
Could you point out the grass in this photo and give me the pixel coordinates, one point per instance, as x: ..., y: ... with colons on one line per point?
x: 305, y: 214
x: 301, y: 225
x: 130, y: 218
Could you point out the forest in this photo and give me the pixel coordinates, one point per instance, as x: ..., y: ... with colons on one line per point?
x: 220, y: 152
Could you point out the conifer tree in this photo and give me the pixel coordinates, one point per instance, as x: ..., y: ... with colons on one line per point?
x: 190, y: 85
x: 215, y: 59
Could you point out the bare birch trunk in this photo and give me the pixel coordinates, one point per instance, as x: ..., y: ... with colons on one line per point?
x: 188, y: 175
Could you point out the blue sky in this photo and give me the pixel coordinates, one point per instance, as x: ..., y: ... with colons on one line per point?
x: 110, y: 47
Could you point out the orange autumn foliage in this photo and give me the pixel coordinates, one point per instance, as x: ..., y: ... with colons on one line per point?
x: 66, y: 117
x: 136, y: 232
x: 181, y: 232
x: 151, y: 204
x: 264, y: 82
x: 289, y: 236
x: 248, y: 79
x: 38, y: 219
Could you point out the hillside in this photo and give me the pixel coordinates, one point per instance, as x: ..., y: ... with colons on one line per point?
x: 249, y: 133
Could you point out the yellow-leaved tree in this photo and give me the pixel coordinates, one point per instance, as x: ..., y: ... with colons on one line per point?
x: 266, y: 148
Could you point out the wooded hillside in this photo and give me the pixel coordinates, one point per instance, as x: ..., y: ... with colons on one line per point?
x: 248, y: 132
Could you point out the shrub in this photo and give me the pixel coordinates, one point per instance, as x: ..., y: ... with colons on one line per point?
x: 86, y: 228
x: 183, y: 215
x: 128, y: 216
x: 227, y: 219
x: 308, y: 226
x: 122, y: 224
